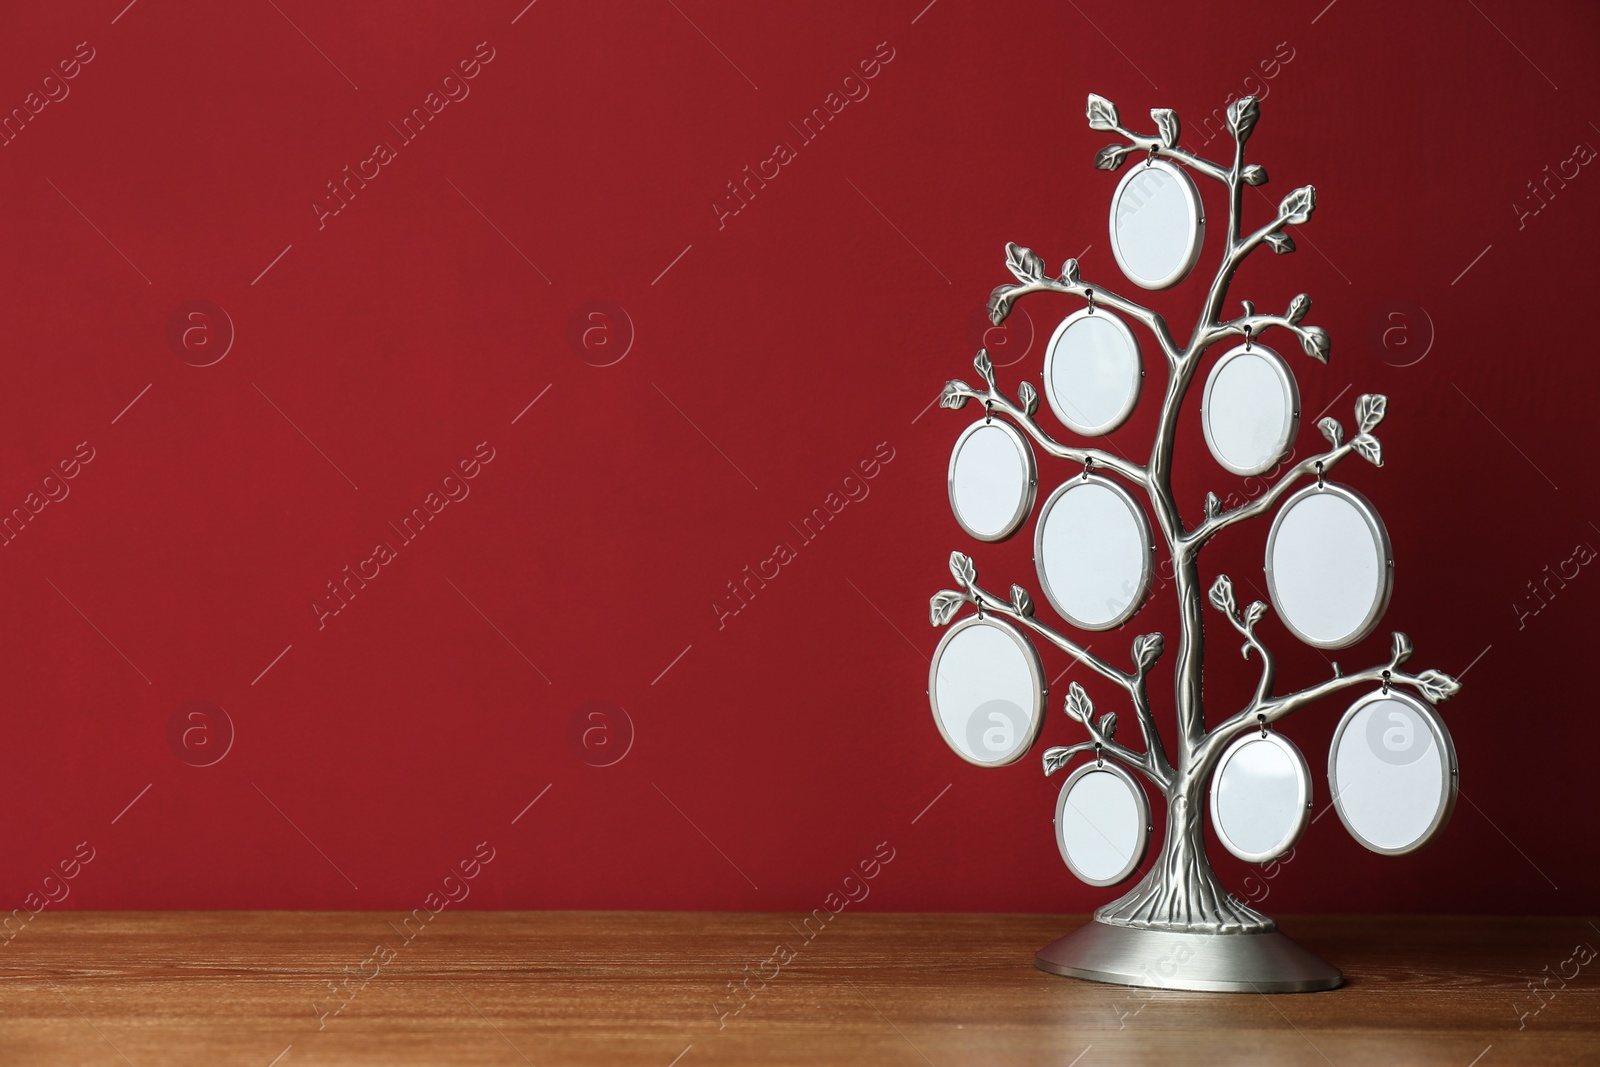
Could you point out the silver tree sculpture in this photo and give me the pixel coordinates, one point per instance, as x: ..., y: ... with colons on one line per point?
x: 1180, y: 893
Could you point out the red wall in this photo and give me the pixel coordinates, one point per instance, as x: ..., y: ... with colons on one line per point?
x: 376, y: 349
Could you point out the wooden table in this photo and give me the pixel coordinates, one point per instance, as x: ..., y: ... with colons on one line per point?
x: 290, y: 988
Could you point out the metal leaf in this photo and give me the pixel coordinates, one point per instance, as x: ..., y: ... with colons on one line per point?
x: 1297, y: 207
x: 1021, y: 601
x: 1000, y: 302
x: 1331, y: 430
x: 1057, y: 758
x: 1242, y: 116
x: 1437, y: 686
x: 1401, y: 650
x: 1370, y: 410
x: 1221, y: 594
x: 944, y: 605
x: 984, y: 365
x: 962, y: 569
x: 1254, y: 612
x: 1254, y: 174
x: 1369, y: 449
x: 1069, y: 272
x: 1166, y: 124
x: 1108, y: 725
x: 1110, y: 157
x: 1147, y: 649
x: 1025, y: 263
x: 1314, y: 339
x: 1028, y: 397
x: 1213, y: 506
x: 1079, y: 706
x: 1298, y: 307
x: 1280, y: 243
x: 954, y: 396
x: 1102, y: 113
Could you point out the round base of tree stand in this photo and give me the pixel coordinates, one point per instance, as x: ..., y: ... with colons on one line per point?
x: 1265, y: 962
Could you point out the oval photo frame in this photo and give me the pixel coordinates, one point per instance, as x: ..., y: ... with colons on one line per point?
x: 1094, y: 552
x: 1158, y: 224
x: 993, y: 480
x: 1391, y: 749
x: 1093, y: 372
x: 987, y: 730
x: 1250, y: 411
x: 1330, y: 568
x: 1102, y: 824
x: 1255, y: 771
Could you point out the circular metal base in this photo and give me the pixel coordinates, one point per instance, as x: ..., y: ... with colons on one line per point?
x: 1166, y: 959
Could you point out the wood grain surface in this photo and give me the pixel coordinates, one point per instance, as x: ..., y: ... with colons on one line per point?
x: 652, y: 989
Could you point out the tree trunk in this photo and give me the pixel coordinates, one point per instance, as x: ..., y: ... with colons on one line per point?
x: 1181, y: 891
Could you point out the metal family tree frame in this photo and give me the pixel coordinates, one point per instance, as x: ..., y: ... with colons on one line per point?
x: 1328, y: 571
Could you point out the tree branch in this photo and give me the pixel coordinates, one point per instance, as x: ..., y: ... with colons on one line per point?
x: 1058, y: 757
x: 1146, y: 650
x: 1313, y: 339
x: 987, y: 601
x: 1245, y: 623
x: 1138, y: 142
x: 1235, y: 187
x: 1370, y: 410
x: 1215, y: 524
x: 1242, y: 248
x: 1080, y: 709
x: 1238, y: 251
x: 1294, y: 210
x: 1442, y: 684
x: 1029, y: 270
x: 1278, y: 707
x: 1433, y: 685
x: 956, y: 393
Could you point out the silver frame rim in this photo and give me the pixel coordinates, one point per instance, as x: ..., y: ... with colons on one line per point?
x: 1035, y: 669
x: 1029, y: 496
x: 1146, y: 573
x: 1197, y: 212
x: 1298, y: 759
x: 1447, y: 750
x: 1292, y: 389
x: 1381, y: 536
x: 1140, y: 799
x: 1049, y: 361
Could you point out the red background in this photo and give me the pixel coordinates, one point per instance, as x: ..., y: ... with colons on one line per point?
x: 771, y: 356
